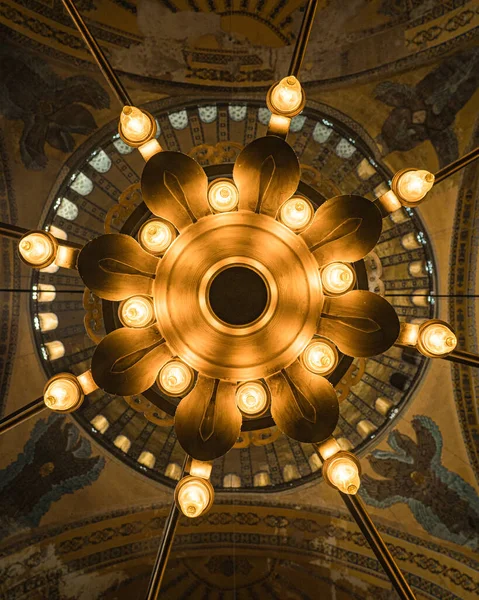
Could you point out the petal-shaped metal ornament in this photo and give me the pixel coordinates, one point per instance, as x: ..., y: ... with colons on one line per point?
x: 175, y: 187
x: 344, y: 228
x: 303, y: 405
x: 207, y: 420
x: 127, y: 361
x: 114, y: 266
x: 360, y: 323
x: 266, y: 174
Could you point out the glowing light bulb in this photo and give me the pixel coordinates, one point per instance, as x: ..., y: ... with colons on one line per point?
x: 137, y: 312
x: 37, y: 249
x: 223, y: 195
x: 296, y: 213
x: 194, y: 496
x: 175, y: 378
x: 414, y: 185
x: 136, y: 126
x: 436, y: 339
x: 337, y: 278
x: 320, y: 357
x: 156, y: 236
x: 343, y: 473
x: 287, y: 96
x: 252, y: 398
x: 63, y: 393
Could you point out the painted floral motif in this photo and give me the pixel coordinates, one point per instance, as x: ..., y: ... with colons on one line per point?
x: 428, y: 110
x: 51, y: 108
x: 440, y: 500
x: 55, y: 461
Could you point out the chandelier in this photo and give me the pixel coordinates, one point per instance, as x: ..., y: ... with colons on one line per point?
x: 236, y: 295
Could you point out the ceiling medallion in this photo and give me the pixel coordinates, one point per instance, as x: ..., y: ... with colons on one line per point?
x: 237, y: 298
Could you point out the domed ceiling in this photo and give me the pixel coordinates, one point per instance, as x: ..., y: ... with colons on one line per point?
x: 84, y: 497
x: 101, y: 190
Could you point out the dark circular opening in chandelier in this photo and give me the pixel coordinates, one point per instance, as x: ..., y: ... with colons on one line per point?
x: 238, y: 295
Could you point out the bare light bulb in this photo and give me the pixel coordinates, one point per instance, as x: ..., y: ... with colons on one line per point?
x: 337, y: 278
x: 37, y: 249
x: 437, y: 339
x: 287, y: 95
x: 320, y: 357
x: 136, y: 126
x: 296, y: 213
x: 194, y: 496
x: 343, y: 473
x: 223, y: 195
x: 252, y: 398
x: 175, y: 378
x: 414, y: 185
x: 63, y: 394
x: 156, y: 236
x: 137, y: 312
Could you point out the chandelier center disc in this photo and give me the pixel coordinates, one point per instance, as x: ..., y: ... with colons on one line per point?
x: 238, y: 295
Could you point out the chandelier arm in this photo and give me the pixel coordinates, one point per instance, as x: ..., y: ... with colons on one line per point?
x: 12, y: 231
x: 463, y: 358
x: 22, y: 414
x: 359, y: 513
x: 97, y: 53
x: 303, y: 38
x: 455, y: 166
x: 164, y: 549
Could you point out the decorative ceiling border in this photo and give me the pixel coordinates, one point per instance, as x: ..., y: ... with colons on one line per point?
x: 462, y: 280
x: 120, y: 536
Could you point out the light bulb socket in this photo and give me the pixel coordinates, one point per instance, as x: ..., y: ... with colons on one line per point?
x: 147, y: 300
x: 146, y: 224
x: 395, y: 189
x: 70, y: 378
x: 51, y: 258
x: 342, y: 454
x: 228, y: 183
x: 328, y: 291
x: 334, y: 362
x: 421, y: 347
x: 195, y: 479
x: 187, y: 389
x: 151, y: 134
x: 267, y: 405
x: 284, y: 113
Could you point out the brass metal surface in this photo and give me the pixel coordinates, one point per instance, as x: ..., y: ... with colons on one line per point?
x: 344, y: 228
x: 115, y: 266
x: 207, y: 420
x: 213, y: 347
x: 266, y: 174
x: 304, y: 406
x: 127, y: 361
x: 360, y: 323
x: 175, y: 187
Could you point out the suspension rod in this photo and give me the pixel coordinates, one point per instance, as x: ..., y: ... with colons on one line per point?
x: 463, y: 358
x: 359, y: 513
x: 97, y: 53
x: 166, y: 542
x: 12, y: 231
x: 457, y: 165
x: 303, y: 38
x: 22, y: 414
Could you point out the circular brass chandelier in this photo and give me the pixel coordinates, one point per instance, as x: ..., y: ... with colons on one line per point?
x: 236, y: 293
x: 233, y: 294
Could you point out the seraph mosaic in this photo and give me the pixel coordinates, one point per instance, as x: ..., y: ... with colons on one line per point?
x: 440, y: 500
x: 52, y: 109
x: 55, y: 461
x: 428, y: 110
